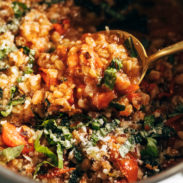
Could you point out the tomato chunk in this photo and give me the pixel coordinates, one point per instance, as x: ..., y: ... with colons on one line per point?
x: 59, y: 28
x: 102, y: 100
x: 11, y: 137
x: 129, y: 168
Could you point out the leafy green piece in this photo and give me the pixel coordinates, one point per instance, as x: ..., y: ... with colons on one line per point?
x: 149, y: 121
x: 1, y: 93
x: 151, y: 150
x: 168, y: 132
x: 28, y: 70
x: 10, y: 153
x: 177, y: 111
x: 78, y: 155
x: 45, y: 150
x: 7, y: 111
x: 102, y: 132
x: 13, y: 89
x: 110, y: 77
x: 19, y: 9
x: 31, y: 54
x: 96, y: 125
x: 94, y: 138
x: 57, y: 134
x: 60, y: 156
x: 18, y: 101
x: 75, y: 176
x: 38, y: 167
x: 116, y: 64
x: 117, y: 106
x: 126, y: 147
x: 129, y: 45
x: 4, y: 52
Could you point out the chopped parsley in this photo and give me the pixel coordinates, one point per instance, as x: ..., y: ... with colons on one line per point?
x: 126, y: 147
x: 19, y: 9
x: 151, y: 149
x: 117, y: 106
x: 109, y: 78
x: 31, y: 54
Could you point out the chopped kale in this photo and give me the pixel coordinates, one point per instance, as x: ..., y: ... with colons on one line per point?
x: 38, y: 168
x: 78, y: 155
x: 177, y: 111
x: 149, y: 121
x: 4, y: 52
x: 117, y: 106
x: 7, y: 111
x: 129, y: 45
x: 13, y: 89
x: 45, y: 150
x: 19, y: 9
x: 28, y: 70
x: 116, y: 64
x: 75, y: 176
x: 96, y: 124
x: 18, y: 101
x: 110, y: 77
x: 168, y: 132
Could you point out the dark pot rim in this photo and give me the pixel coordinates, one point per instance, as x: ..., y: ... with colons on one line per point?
x: 9, y: 176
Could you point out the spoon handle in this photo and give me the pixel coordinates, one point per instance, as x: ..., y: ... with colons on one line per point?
x: 166, y: 51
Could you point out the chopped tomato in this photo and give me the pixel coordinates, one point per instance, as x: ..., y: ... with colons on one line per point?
x: 129, y: 168
x: 11, y: 137
x: 57, y: 172
x: 102, y: 100
x: 59, y: 28
x: 66, y: 24
x: 128, y: 165
x: 132, y: 88
x: 125, y: 113
x: 49, y: 76
x: 71, y: 100
x: 132, y: 96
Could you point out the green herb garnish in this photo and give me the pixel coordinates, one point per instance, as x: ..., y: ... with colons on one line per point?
x: 10, y: 153
x: 19, y: 9
x: 129, y: 45
x: 45, y: 150
x: 117, y: 106
x: 109, y: 78
x: 151, y: 150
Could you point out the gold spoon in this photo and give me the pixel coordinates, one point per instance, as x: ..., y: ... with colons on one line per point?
x: 142, y: 54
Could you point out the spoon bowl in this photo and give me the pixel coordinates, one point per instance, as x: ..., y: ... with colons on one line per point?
x: 144, y: 59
